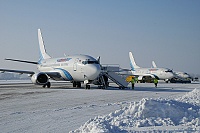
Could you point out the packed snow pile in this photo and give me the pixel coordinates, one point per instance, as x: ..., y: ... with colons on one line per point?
x: 183, y: 111
x: 191, y: 97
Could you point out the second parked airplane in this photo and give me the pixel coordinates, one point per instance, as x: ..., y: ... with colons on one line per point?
x: 159, y: 73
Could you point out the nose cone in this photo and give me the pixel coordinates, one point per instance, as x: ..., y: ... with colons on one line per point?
x: 93, y: 71
x: 170, y: 75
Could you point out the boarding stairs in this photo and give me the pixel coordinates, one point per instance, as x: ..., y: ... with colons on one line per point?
x: 102, y: 81
x: 113, y: 73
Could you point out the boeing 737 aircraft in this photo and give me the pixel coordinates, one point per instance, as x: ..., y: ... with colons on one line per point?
x: 75, y: 68
x: 159, y: 73
x: 183, y: 75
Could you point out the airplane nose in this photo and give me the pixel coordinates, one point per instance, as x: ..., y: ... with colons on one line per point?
x: 93, y: 72
x: 171, y: 75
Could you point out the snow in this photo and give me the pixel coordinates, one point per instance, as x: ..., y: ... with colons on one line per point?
x: 191, y: 97
x: 184, y: 111
x: 168, y: 108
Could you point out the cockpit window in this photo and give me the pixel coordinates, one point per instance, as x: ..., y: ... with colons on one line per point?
x: 90, y: 62
x: 169, y: 70
x: 93, y: 62
x: 84, y: 62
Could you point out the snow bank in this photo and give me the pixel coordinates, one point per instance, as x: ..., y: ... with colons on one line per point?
x: 191, y: 97
x: 184, y: 111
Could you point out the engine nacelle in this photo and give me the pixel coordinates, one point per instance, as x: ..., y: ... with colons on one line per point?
x: 40, y: 78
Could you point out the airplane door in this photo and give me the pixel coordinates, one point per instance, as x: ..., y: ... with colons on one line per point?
x: 161, y: 73
x: 75, y: 64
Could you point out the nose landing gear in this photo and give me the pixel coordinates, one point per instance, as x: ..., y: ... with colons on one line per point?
x: 86, y: 83
x: 87, y: 86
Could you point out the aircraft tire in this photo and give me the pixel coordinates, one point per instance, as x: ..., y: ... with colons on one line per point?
x: 48, y: 85
x: 79, y: 84
x: 87, y: 86
x: 74, y: 84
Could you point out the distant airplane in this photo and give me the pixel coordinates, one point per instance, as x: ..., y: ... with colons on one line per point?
x: 183, y: 75
x: 74, y: 68
x: 159, y: 73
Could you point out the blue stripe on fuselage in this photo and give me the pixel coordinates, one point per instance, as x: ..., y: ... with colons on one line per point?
x: 155, y: 76
x: 67, y: 74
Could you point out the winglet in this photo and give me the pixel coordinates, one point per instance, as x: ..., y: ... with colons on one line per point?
x: 43, y: 54
x: 132, y: 62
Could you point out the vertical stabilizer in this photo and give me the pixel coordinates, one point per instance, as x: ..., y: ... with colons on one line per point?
x: 43, y: 54
x: 154, y: 64
x: 132, y: 62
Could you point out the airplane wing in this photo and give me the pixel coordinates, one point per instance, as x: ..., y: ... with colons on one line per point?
x: 140, y: 76
x: 151, y: 75
x: 24, y: 61
x: 17, y: 71
x: 54, y: 75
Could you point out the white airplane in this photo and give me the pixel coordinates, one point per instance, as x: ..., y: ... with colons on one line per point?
x: 74, y: 68
x: 183, y: 75
x: 159, y: 73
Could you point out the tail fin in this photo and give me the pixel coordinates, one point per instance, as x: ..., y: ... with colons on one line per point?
x: 132, y: 62
x: 43, y: 54
x: 154, y: 64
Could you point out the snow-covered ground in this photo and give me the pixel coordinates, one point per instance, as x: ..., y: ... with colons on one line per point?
x: 170, y: 107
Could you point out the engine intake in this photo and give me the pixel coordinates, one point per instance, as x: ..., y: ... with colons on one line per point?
x: 40, y: 78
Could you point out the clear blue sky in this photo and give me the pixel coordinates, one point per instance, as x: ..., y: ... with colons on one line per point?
x: 167, y: 32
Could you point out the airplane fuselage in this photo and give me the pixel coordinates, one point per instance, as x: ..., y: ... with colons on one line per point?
x: 160, y: 73
x: 72, y: 68
x: 182, y: 75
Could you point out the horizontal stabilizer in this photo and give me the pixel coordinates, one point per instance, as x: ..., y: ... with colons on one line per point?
x: 30, y: 62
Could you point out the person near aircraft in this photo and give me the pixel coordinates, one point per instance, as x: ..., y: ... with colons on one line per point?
x: 155, y: 82
x: 136, y: 80
x: 133, y: 82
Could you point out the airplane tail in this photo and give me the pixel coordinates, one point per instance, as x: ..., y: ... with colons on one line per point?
x: 154, y: 64
x: 132, y: 62
x: 43, y: 54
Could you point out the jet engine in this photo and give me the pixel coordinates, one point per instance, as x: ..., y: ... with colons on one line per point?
x: 40, y: 78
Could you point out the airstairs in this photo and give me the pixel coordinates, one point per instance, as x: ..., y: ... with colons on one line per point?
x: 113, y: 73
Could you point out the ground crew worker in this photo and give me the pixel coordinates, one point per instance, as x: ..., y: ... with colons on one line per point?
x: 155, y: 82
x: 136, y: 80
x: 133, y: 82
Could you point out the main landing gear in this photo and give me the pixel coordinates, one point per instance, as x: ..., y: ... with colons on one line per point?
x: 48, y: 84
x: 77, y: 84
